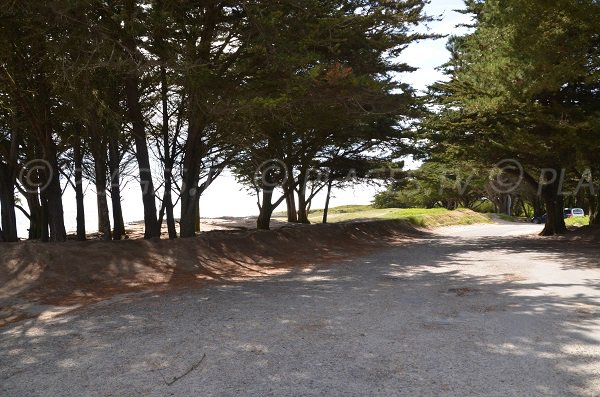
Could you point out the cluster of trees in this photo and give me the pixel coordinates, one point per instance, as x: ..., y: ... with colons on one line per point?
x: 525, y: 85
x: 294, y: 96
x: 173, y: 92
x: 462, y: 185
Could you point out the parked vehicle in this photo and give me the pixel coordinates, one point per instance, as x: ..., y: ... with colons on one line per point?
x: 574, y: 213
x: 539, y: 219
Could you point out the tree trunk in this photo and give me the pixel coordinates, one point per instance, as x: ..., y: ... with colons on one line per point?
x: 266, y: 211
x: 509, y: 204
x: 194, y: 151
x: 8, y: 172
x: 290, y: 198
x: 595, y: 209
x: 290, y: 201
x: 115, y: 189
x: 302, y: 203
x: 151, y: 226
x: 189, y: 185
x: 538, y: 206
x: 327, y: 199
x: 190, y: 191
x: 197, y: 216
x: 168, y: 208
x: 103, y: 213
x: 167, y: 200
x: 172, y: 229
x: 524, y: 207
x: 136, y: 116
x: 78, y: 158
x: 53, y: 218
x: 302, y: 208
x: 7, y: 204
x: 554, y: 203
x: 35, y: 215
x: 53, y: 197
x: 44, y: 233
x: 189, y: 200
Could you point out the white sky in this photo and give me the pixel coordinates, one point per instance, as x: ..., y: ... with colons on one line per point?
x: 227, y: 198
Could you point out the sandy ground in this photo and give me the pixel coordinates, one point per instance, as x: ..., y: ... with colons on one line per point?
x: 477, y: 310
x: 36, y: 278
x: 135, y: 230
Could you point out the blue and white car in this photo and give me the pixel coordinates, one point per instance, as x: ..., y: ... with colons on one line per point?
x: 574, y: 213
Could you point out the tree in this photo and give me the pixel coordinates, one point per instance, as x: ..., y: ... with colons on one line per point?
x: 519, y: 89
x: 28, y: 60
x: 324, y: 78
x: 91, y: 89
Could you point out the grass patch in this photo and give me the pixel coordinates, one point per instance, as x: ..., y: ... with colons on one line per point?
x: 578, y: 222
x: 505, y: 217
x: 434, y: 217
x: 508, y: 218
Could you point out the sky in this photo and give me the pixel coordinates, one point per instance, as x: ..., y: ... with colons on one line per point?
x: 225, y: 197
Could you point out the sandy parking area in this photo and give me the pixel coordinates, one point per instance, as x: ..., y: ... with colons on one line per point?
x: 477, y: 310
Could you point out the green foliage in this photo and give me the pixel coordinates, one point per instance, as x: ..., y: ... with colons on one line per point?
x: 199, y: 86
x: 484, y: 207
x: 323, y: 98
x: 523, y: 85
x: 578, y: 222
x: 436, y: 184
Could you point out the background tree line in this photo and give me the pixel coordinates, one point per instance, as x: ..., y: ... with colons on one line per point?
x: 523, y: 85
x: 167, y: 94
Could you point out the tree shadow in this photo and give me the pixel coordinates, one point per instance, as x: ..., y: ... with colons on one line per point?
x: 429, y: 317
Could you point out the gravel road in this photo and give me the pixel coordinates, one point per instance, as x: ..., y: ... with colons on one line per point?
x: 478, y: 310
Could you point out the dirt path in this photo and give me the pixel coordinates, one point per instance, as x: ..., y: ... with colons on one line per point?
x: 478, y: 310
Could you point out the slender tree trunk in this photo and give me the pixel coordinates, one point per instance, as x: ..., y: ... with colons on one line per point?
x: 302, y: 203
x: 595, y: 209
x: 103, y: 213
x: 7, y: 204
x: 524, y: 208
x: 8, y: 174
x: 51, y: 190
x: 136, y: 116
x: 53, y: 197
x: 79, y: 196
x: 151, y: 226
x: 115, y: 189
x: 594, y: 194
x: 171, y: 227
x: 44, y: 233
x: 194, y: 151
x: 302, y: 208
x: 168, y: 208
x: 197, y: 216
x: 168, y: 199
x: 35, y: 215
x: 290, y: 201
x: 290, y: 198
x: 187, y: 222
x: 189, y: 187
x: 327, y: 199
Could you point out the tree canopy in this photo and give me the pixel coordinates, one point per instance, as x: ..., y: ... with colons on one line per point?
x: 171, y: 93
x: 523, y: 86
